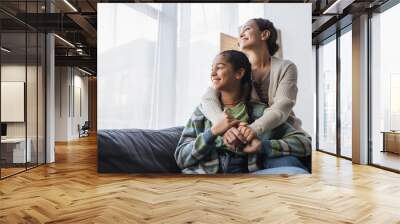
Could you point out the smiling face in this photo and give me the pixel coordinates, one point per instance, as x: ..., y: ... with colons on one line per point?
x: 223, y: 76
x: 250, y: 35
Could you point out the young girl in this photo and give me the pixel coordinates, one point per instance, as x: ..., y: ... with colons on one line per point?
x: 201, y: 149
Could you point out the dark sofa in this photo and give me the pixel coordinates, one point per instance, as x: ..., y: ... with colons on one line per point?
x: 137, y: 150
x: 142, y: 151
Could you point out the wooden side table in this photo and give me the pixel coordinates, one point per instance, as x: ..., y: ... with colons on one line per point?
x: 391, y: 141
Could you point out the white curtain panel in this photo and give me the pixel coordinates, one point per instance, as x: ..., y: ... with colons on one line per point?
x: 127, y: 46
x: 199, y: 28
x: 154, y: 60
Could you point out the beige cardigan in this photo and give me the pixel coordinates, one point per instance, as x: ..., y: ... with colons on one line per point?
x: 282, y: 93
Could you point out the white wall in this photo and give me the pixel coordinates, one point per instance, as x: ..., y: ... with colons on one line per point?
x: 33, y: 126
x: 314, y: 74
x: 80, y: 82
x: 61, y: 103
x: 68, y: 81
x: 294, y: 21
x: 12, y: 73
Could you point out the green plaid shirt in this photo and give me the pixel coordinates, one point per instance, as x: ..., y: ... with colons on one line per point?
x: 197, y: 149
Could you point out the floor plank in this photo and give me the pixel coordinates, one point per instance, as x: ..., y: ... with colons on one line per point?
x: 71, y: 191
x: 386, y: 159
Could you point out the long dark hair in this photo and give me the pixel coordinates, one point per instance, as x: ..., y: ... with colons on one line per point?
x: 239, y: 60
x: 265, y: 24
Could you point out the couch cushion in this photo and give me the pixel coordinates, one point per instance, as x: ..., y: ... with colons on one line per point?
x: 138, y: 150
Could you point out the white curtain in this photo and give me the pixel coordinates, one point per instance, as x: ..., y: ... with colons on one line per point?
x: 127, y: 39
x: 154, y: 60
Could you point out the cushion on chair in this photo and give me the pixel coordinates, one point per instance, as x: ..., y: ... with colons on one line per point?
x: 137, y: 150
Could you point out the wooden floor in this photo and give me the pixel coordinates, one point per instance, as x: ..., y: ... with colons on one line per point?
x: 71, y: 191
x: 386, y: 159
x: 10, y: 171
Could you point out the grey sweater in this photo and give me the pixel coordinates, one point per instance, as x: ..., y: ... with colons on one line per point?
x: 282, y: 93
